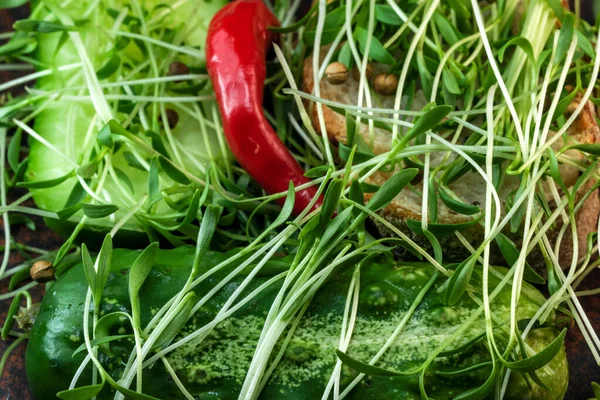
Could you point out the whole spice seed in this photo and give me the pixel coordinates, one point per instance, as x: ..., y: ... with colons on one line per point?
x: 42, y: 271
x: 172, y: 118
x: 178, y: 68
x: 385, y: 84
x: 336, y: 73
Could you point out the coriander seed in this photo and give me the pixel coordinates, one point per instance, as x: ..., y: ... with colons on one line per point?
x: 336, y: 73
x: 172, y: 118
x: 42, y: 271
x: 178, y: 68
x: 385, y: 84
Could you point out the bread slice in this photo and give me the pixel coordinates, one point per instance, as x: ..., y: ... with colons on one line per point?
x: 471, y: 187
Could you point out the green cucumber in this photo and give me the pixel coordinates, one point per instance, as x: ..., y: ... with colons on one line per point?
x: 217, y: 367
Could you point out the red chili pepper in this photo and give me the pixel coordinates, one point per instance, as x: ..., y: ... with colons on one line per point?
x: 236, y: 47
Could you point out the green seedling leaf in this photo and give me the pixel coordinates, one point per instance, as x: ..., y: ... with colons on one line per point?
x: 585, y: 45
x: 424, y: 395
x: 28, y: 25
x: 298, y: 24
x: 15, y: 46
x: 336, y: 227
x: 369, y: 188
x: 18, y: 277
x: 563, y: 104
x: 308, y: 227
x: 174, y: 328
x: 132, y: 161
x: 19, y: 173
x: 511, y: 255
x: 460, y: 280
x: 427, y: 122
x: 137, y: 276
x: 88, y: 170
x: 565, y: 37
x: 77, y: 195
x: 14, y: 150
x: 206, y: 233
x: 391, y: 188
x: 98, y: 210
x: 68, y: 212
x: 351, y: 130
x: 104, y: 340
x: 64, y: 249
x: 46, y: 184
x: 593, y: 149
x: 517, y: 218
x: 81, y: 393
x: 365, y: 368
x: 153, y: 184
x: 317, y: 172
x: 356, y: 195
x: 4, y: 4
x: 432, y: 201
x: 555, y: 171
x: 460, y: 372
x: 330, y: 202
x: 358, y: 156
x: 108, y: 69
x: 520, y: 42
x: 12, y: 311
x: 107, y: 324
x: 446, y: 29
x: 88, y: 267
x: 537, y: 380
x: 287, y: 208
x: 462, y: 10
x: 482, y: 391
x: 376, y: 50
x: 345, y: 56
x: 105, y: 138
x: 540, y: 359
x: 103, y: 262
x: 129, y: 19
x: 455, y: 205
x: 437, y: 248
x: 450, y: 82
x: 128, y: 393
x: 557, y: 7
x: 190, y: 89
x: 596, y: 390
x: 173, y: 172
x: 192, y: 211
x: 21, y: 219
x: 440, y: 230
x: 122, y: 176
x: 460, y: 349
x: 157, y: 143
x: 386, y: 15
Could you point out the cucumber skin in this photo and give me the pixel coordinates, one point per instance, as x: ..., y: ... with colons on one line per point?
x: 58, y: 332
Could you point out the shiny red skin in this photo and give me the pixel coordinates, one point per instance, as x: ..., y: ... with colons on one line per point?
x: 236, y: 47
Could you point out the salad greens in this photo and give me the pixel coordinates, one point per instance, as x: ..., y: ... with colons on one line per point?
x: 125, y: 149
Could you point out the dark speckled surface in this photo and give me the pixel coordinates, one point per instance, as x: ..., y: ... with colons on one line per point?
x: 13, y: 384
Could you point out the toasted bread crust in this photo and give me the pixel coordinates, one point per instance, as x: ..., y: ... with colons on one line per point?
x: 584, y: 130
